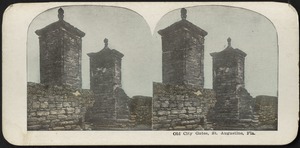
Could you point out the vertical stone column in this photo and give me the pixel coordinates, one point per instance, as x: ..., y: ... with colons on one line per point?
x: 60, y: 53
x: 105, y: 81
x: 228, y: 83
x: 183, y: 53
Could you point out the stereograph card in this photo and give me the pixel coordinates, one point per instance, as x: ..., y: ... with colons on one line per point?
x: 145, y: 73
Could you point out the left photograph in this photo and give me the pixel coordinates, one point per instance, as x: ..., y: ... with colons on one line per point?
x: 72, y: 62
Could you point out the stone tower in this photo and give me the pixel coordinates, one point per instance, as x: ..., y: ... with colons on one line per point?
x: 111, y: 102
x: 183, y: 52
x: 60, y: 53
x: 233, y: 100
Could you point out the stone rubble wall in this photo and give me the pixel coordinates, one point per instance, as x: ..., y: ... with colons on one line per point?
x: 266, y: 111
x: 110, y: 111
x: 141, y: 113
x: 103, y: 110
x: 243, y: 119
x: 57, y: 107
x: 181, y: 107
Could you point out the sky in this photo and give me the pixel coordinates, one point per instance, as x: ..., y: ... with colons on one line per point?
x: 130, y: 34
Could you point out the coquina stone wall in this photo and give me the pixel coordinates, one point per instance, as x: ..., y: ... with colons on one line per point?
x: 141, y: 113
x: 181, y: 107
x: 98, y: 115
x: 57, y: 107
x: 266, y: 111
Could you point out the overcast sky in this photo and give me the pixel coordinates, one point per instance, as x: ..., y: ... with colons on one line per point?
x: 130, y: 34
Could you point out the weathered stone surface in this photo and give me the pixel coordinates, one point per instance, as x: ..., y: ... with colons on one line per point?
x: 36, y: 105
x: 141, y: 112
x: 111, y: 102
x: 234, y: 103
x: 50, y: 113
x: 66, y: 104
x: 183, y: 53
x: 60, y: 54
x: 42, y: 113
x: 184, y: 111
x: 266, y: 112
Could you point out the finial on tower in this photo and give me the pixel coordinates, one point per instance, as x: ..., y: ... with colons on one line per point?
x: 105, y: 42
x: 60, y: 14
x: 229, y: 41
x: 183, y: 13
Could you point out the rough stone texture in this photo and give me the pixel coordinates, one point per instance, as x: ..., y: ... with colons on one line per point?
x: 233, y: 100
x: 141, y: 113
x: 245, y: 119
x: 183, y: 54
x: 181, y: 107
x: 266, y: 111
x: 60, y: 54
x: 246, y: 103
x: 99, y: 113
x: 57, y: 107
x: 111, y: 104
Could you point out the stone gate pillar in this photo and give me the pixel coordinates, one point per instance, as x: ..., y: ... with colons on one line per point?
x: 111, y: 102
x: 183, y: 52
x: 233, y: 100
x: 60, y: 53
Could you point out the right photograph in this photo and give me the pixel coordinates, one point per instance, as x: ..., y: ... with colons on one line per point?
x: 219, y: 70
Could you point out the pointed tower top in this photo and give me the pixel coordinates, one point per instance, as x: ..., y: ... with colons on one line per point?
x: 105, y: 42
x: 60, y: 14
x: 228, y: 50
x: 229, y: 42
x: 183, y: 13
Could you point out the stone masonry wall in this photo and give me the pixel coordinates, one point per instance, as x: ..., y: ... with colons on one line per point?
x: 110, y: 111
x: 181, y: 107
x: 182, y: 56
x: 266, y: 109
x: 244, y: 119
x: 57, y: 107
x: 141, y: 113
